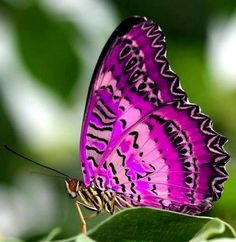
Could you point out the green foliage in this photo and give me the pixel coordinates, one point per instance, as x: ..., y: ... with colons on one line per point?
x: 8, y: 136
x: 181, y: 18
x: 146, y: 224
x: 44, y: 44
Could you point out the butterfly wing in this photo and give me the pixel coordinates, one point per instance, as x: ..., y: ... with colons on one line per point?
x: 140, y: 137
x: 132, y: 77
x: 171, y: 159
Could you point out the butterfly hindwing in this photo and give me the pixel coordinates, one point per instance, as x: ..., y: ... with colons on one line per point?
x: 170, y: 159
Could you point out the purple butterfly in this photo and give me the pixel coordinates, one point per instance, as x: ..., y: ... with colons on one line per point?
x: 142, y: 142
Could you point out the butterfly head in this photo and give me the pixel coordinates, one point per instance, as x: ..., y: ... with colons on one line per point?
x: 72, y: 187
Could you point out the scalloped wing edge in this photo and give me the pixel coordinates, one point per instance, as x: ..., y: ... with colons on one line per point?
x: 215, y: 143
x: 159, y: 44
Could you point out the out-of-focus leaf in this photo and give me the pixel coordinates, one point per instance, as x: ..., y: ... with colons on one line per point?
x: 222, y: 240
x: 7, y: 137
x: 84, y: 238
x: 145, y: 224
x: 51, y: 235
x: 179, y: 18
x: 2, y: 239
x: 214, y: 226
x: 79, y: 238
x: 45, y: 46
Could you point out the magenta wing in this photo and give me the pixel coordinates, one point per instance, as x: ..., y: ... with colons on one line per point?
x: 131, y: 78
x: 140, y: 136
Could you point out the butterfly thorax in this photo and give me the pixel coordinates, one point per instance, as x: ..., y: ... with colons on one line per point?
x: 93, y: 198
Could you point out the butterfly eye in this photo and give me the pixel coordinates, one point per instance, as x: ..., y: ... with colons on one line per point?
x: 72, y: 186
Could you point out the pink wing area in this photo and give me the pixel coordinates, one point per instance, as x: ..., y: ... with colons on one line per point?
x: 140, y: 136
x: 132, y: 77
x: 170, y: 159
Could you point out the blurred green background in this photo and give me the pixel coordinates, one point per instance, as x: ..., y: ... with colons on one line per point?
x: 48, y: 49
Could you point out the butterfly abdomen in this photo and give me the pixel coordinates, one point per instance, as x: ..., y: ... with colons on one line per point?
x: 94, y: 199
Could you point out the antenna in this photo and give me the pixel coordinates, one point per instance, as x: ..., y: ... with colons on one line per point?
x: 35, y: 162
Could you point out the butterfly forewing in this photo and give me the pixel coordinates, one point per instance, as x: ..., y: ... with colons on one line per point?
x: 131, y: 78
x: 140, y: 137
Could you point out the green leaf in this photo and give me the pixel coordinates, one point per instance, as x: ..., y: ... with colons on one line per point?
x: 145, y: 224
x: 213, y: 227
x: 44, y: 44
x: 84, y: 238
x: 51, y: 235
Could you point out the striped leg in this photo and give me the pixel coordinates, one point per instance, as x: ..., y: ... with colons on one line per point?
x: 119, y: 199
x: 92, y: 215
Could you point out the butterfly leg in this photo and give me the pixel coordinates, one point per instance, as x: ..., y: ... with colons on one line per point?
x: 83, y: 223
x: 124, y: 202
x: 92, y: 215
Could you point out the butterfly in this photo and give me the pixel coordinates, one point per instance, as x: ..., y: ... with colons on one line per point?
x: 142, y: 142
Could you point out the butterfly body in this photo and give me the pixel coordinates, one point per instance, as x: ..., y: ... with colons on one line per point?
x: 93, y: 198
